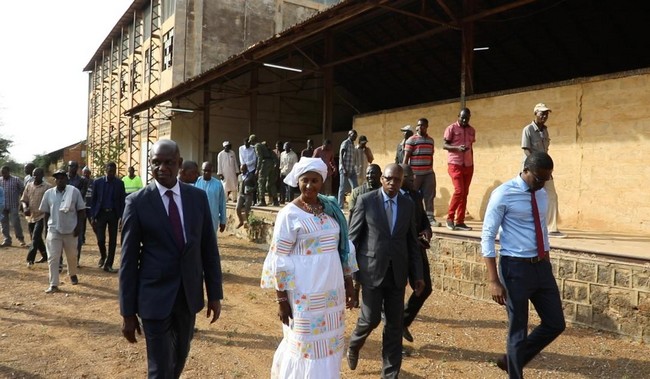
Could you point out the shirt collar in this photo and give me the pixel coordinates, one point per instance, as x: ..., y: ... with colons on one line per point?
x: 386, y: 198
x: 540, y: 128
x: 176, y: 189
x: 521, y: 184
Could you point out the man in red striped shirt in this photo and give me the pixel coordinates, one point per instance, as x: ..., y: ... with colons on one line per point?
x: 418, y: 153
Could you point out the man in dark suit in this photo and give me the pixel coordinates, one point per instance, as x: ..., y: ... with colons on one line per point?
x: 415, y: 302
x: 168, y: 250
x: 106, y: 209
x: 383, y: 231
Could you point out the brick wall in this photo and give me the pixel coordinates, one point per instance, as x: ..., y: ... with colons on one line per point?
x: 601, y: 293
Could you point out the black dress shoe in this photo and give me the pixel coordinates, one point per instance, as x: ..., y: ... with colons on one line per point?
x: 100, y: 263
x: 110, y: 269
x: 74, y: 280
x: 353, y: 359
x: 502, y: 362
x: 407, y: 335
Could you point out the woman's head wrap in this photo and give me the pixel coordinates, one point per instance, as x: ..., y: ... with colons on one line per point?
x: 305, y: 165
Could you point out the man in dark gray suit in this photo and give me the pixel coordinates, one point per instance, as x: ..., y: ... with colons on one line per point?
x: 383, y: 231
x: 168, y: 250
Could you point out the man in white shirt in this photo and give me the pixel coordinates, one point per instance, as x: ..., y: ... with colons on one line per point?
x: 64, y: 212
x: 288, y: 158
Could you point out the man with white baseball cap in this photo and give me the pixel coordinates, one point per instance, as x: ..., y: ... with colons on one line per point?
x: 535, y: 138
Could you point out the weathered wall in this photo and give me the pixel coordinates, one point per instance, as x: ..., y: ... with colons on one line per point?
x: 231, y: 26
x: 600, y: 141
x: 600, y: 293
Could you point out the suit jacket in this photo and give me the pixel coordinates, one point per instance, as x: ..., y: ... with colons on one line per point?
x: 152, y: 268
x: 422, y: 222
x: 119, y: 194
x: 377, y: 247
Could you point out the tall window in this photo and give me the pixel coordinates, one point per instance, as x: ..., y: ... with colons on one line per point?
x: 168, y: 49
x: 147, y: 66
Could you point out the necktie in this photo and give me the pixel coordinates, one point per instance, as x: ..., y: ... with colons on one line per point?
x: 175, y: 219
x: 538, y: 226
x: 389, y: 214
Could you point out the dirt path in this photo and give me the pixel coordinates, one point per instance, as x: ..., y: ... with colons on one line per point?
x: 76, y: 333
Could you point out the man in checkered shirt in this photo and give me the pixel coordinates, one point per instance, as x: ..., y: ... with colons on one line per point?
x: 13, y: 189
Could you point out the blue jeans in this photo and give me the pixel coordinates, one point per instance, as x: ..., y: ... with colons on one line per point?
x: 344, y: 179
x: 534, y: 282
x: 11, y: 215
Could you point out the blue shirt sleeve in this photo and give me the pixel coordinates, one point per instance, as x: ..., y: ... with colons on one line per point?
x: 494, y: 213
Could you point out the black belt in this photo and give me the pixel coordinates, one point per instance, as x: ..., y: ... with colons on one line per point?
x: 527, y: 260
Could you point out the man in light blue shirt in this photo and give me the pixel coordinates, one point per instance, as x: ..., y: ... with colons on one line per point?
x: 216, y: 195
x: 525, y: 272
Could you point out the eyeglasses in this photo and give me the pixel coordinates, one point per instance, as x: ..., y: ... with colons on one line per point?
x: 538, y: 180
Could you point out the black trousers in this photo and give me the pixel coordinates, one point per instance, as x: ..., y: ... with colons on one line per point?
x: 415, y: 303
x: 104, y: 219
x: 168, y: 340
x: 390, y: 297
x: 530, y: 282
x: 38, y: 245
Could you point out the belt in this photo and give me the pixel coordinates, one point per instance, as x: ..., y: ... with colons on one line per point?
x: 108, y: 209
x: 527, y: 260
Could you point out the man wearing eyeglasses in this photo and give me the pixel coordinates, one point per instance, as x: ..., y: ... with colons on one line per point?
x: 518, y: 209
x: 535, y: 138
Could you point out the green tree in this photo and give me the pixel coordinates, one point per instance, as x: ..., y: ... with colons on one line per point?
x: 5, y: 144
x: 111, y: 153
x: 42, y: 161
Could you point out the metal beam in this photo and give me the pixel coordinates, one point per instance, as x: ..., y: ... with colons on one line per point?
x: 328, y: 90
x: 467, y: 55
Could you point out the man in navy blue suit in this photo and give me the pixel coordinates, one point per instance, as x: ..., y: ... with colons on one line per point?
x: 169, y: 249
x: 106, y: 207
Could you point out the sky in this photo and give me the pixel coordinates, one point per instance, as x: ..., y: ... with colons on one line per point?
x: 43, y: 90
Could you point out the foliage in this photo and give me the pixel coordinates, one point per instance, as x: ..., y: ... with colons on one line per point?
x: 111, y: 153
x: 5, y: 144
x: 15, y: 167
x: 254, y: 220
x: 42, y: 161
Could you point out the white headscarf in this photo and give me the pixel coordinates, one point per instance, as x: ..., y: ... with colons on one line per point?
x: 305, y: 165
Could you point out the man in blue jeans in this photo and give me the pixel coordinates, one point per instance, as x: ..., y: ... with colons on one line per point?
x: 519, y: 208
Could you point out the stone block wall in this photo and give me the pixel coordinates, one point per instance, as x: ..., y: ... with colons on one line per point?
x: 597, y: 292
x: 601, y: 293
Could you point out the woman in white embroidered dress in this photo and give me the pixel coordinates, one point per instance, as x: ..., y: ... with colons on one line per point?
x: 309, y: 264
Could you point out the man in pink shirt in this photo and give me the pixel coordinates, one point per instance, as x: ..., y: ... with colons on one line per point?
x: 458, y: 140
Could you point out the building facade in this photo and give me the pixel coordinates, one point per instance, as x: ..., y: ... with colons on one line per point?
x: 158, y: 44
